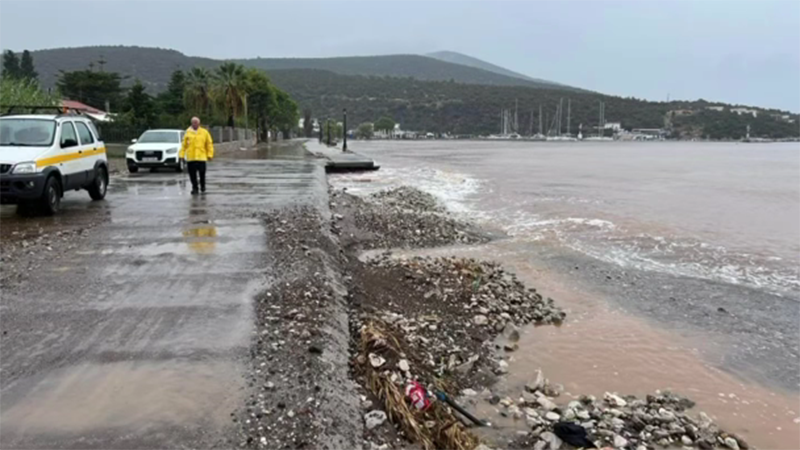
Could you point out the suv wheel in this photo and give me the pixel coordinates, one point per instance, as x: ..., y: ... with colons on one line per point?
x: 50, y: 202
x: 98, y: 188
x: 133, y: 169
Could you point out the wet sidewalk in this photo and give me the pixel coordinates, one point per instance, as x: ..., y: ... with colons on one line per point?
x: 138, y: 338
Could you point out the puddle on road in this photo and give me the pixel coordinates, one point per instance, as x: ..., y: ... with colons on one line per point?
x: 136, y: 396
x: 201, y: 239
x: 601, y: 349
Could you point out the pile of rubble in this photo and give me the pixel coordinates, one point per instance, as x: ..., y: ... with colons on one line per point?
x: 402, y: 217
x: 660, y: 420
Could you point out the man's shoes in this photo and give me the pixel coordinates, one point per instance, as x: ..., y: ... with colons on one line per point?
x: 194, y: 192
x: 203, y: 189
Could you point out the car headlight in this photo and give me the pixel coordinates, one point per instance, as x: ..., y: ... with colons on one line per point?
x: 130, y: 150
x: 25, y: 167
x: 172, y: 151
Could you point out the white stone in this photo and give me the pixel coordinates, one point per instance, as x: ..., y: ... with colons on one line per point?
x: 530, y: 412
x: 540, y: 445
x: 469, y: 392
x: 374, y: 419
x: 704, y: 421
x: 583, y: 414
x: 569, y: 414
x: 376, y: 360
x: 641, y: 447
x: 731, y: 443
x: 483, y: 447
x: 551, y: 416
x: 537, y: 383
x: 546, y: 403
x: 619, y: 441
x: 686, y: 440
x: 666, y: 416
x: 403, y: 365
x: 480, y: 319
x: 576, y: 405
x: 615, y: 400
x: 553, y: 440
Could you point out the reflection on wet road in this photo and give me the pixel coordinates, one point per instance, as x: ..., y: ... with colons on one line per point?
x: 138, y: 338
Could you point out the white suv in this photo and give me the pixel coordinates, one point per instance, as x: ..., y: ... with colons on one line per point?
x: 44, y: 155
x: 155, y: 149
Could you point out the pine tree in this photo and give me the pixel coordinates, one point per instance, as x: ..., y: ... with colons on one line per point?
x: 26, y: 68
x: 11, y: 67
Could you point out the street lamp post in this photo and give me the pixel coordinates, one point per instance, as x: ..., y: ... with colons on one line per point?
x: 344, y: 145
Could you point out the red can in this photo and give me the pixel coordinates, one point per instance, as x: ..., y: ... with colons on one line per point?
x: 418, y: 395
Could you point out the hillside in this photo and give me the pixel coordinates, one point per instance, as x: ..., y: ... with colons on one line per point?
x: 154, y: 66
x: 456, y: 108
x: 401, y: 66
x: 466, y: 60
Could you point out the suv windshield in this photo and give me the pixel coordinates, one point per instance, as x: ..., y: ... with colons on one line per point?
x: 150, y: 137
x: 27, y: 132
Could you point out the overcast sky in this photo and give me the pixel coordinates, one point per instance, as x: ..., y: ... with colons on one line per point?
x: 740, y: 52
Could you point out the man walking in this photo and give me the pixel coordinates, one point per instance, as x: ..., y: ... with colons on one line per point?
x: 197, y: 148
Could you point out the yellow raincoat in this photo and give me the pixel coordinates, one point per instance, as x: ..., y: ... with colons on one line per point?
x: 197, y: 145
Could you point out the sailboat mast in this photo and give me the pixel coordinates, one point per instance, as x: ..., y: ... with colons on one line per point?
x: 560, y: 113
x: 569, y: 113
x: 516, y: 109
x: 540, y: 118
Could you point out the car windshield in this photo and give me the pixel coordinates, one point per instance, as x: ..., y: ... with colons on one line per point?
x: 151, y: 137
x: 27, y: 132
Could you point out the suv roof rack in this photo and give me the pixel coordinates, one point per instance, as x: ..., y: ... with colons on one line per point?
x: 59, y: 110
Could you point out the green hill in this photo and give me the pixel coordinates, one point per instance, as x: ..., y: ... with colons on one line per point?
x: 466, y: 60
x: 154, y: 66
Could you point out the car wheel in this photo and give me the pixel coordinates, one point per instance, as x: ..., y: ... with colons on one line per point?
x: 153, y: 169
x: 181, y: 166
x: 50, y: 202
x: 98, y: 189
x: 133, y: 169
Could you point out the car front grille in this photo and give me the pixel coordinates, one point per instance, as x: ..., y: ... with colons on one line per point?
x: 5, y: 168
x: 149, y: 154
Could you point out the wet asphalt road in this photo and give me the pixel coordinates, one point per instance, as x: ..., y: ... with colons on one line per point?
x: 138, y: 338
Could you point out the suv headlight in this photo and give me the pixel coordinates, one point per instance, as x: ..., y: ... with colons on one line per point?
x: 130, y: 150
x: 25, y: 167
x: 172, y: 151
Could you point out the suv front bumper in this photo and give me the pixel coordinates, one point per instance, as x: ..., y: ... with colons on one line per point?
x: 166, y: 162
x: 14, y: 188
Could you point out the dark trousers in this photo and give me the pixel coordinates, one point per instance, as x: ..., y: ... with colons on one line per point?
x: 195, y: 168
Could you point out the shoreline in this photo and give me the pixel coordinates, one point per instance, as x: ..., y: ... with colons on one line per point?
x: 508, y: 355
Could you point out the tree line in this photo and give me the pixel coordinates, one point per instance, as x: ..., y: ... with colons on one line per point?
x: 230, y: 95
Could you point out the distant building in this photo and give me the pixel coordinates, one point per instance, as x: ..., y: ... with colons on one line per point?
x: 681, y: 112
x: 615, y: 126
x: 94, y: 113
x: 716, y: 108
x: 741, y: 111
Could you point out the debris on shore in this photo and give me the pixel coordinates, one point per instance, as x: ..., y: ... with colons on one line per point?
x: 402, y: 217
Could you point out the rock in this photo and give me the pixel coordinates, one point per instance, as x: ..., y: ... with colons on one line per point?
x: 506, y: 402
x: 583, y: 414
x: 731, y: 443
x: 665, y: 415
x: 553, y: 441
x: 704, y: 421
x: 480, y: 319
x: 502, y: 367
x: 641, y: 447
x: 619, y: 441
x: 553, y: 390
x: 530, y: 412
x: 403, y: 365
x: 469, y: 392
x: 537, y: 383
x: 376, y: 360
x: 515, y: 412
x: 482, y: 447
x: 466, y: 367
x: 315, y: 349
x: 686, y: 440
x: 576, y: 405
x: 511, y: 332
x: 546, y: 403
x: 552, y: 416
x: 509, y: 347
x: 615, y: 400
x: 374, y: 419
x: 569, y: 414
x: 617, y: 423
x: 540, y: 445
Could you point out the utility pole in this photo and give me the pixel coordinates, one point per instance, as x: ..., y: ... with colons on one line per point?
x: 328, y: 124
x: 344, y: 145
x: 516, y: 123
x: 246, y: 121
x: 540, y: 118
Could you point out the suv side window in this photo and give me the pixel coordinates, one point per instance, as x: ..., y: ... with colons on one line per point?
x: 68, y: 136
x: 84, y: 133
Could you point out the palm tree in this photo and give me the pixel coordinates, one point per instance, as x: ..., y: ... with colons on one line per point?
x: 230, y: 87
x: 197, y: 93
